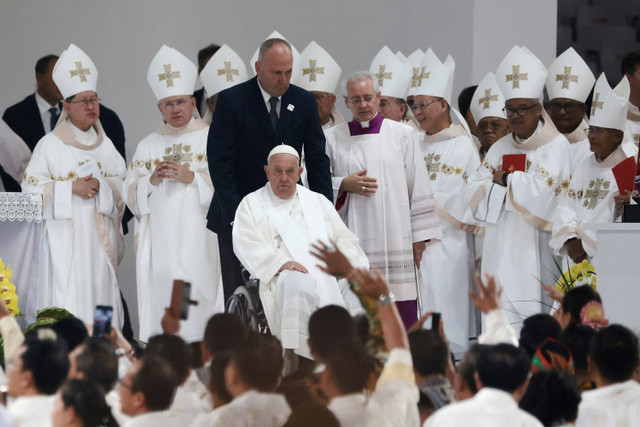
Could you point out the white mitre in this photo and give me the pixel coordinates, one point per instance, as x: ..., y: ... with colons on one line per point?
x: 171, y: 74
x: 569, y: 77
x: 487, y: 100
x: 393, y: 74
x: 609, y: 106
x: 297, y: 60
x: 283, y: 149
x: 436, y: 78
x: 320, y: 72
x: 75, y: 72
x: 415, y: 59
x: 521, y: 74
x: 224, y: 70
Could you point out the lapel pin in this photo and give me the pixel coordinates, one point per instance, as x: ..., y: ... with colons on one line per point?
x: 290, y: 107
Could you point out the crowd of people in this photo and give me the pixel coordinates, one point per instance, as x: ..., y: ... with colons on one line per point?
x: 400, y: 206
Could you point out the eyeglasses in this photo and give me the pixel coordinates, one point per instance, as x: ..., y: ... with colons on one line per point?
x: 495, y: 125
x: 422, y: 105
x: 357, y: 101
x: 85, y: 102
x: 568, y: 107
x: 521, y: 111
x: 180, y: 103
x: 597, y: 131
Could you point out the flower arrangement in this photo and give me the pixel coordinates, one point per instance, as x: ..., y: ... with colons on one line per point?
x: 8, y: 289
x: 580, y: 274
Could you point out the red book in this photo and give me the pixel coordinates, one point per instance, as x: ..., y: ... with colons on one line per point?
x: 514, y: 162
x: 625, y: 173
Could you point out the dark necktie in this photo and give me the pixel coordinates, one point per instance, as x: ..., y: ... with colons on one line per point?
x: 273, y: 113
x: 54, y: 117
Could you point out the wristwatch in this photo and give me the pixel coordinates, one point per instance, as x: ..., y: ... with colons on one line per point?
x: 386, y: 299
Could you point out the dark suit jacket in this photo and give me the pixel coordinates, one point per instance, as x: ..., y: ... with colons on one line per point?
x: 198, y: 96
x: 241, y: 136
x: 24, y: 119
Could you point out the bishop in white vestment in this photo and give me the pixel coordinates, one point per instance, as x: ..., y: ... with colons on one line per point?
x: 168, y: 189
x: 79, y: 173
x: 273, y: 231
x: 382, y: 191
x: 518, y: 207
x: 450, y: 156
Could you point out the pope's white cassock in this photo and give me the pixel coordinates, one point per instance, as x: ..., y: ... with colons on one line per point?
x: 450, y: 157
x: 83, y: 242
x: 516, y: 245
x: 172, y: 241
x: 589, y: 200
x: 268, y: 232
x: 14, y: 154
x: 401, y: 212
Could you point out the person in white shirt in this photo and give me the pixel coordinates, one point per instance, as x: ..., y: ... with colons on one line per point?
x: 613, y: 357
x: 34, y: 374
x: 251, y: 376
x: 502, y: 378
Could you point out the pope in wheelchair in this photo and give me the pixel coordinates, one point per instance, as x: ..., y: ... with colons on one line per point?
x: 273, y: 231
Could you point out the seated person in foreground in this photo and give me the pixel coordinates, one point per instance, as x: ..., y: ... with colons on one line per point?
x: 272, y: 235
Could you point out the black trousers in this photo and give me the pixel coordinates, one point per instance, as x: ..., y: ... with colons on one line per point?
x: 229, y: 263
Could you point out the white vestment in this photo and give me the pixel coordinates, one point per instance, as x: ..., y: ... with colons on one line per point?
x: 610, y: 406
x: 160, y: 419
x: 450, y: 157
x: 393, y: 402
x: 31, y: 411
x: 490, y: 407
x: 172, y: 240
x: 14, y: 154
x: 589, y: 200
x: 250, y: 409
x: 267, y: 233
x: 516, y: 249
x: 632, y: 129
x: 83, y: 242
x: 401, y: 212
x: 578, y: 143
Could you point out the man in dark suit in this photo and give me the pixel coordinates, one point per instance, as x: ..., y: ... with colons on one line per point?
x: 37, y: 114
x: 249, y: 120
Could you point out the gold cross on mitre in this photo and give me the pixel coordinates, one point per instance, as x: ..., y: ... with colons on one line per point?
x: 80, y: 72
x: 228, y: 71
x: 516, y: 76
x: 566, y: 78
x: 168, y: 75
x: 487, y: 98
x: 382, y: 76
x: 312, y: 70
x: 596, y: 104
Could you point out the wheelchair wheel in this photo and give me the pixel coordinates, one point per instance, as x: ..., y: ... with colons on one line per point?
x: 243, y: 305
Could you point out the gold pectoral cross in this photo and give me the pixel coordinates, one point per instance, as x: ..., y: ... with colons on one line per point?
x: 177, y: 155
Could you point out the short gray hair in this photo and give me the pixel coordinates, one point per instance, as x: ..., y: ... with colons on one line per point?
x: 269, y: 43
x: 359, y: 76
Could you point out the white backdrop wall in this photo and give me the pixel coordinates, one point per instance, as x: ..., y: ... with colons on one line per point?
x: 122, y: 36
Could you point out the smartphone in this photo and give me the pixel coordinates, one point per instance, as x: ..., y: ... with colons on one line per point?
x: 435, y: 322
x: 102, y: 320
x: 181, y: 299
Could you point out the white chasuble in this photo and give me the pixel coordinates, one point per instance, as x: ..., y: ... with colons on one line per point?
x: 267, y: 233
x: 450, y: 157
x: 83, y: 242
x: 516, y: 248
x: 401, y: 212
x: 172, y: 240
x: 589, y: 200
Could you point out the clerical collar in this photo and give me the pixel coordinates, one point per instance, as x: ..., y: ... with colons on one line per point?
x: 86, y: 138
x: 181, y: 127
x: 373, y: 126
x: 525, y: 140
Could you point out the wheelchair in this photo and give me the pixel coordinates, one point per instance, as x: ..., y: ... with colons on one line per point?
x: 245, y: 303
